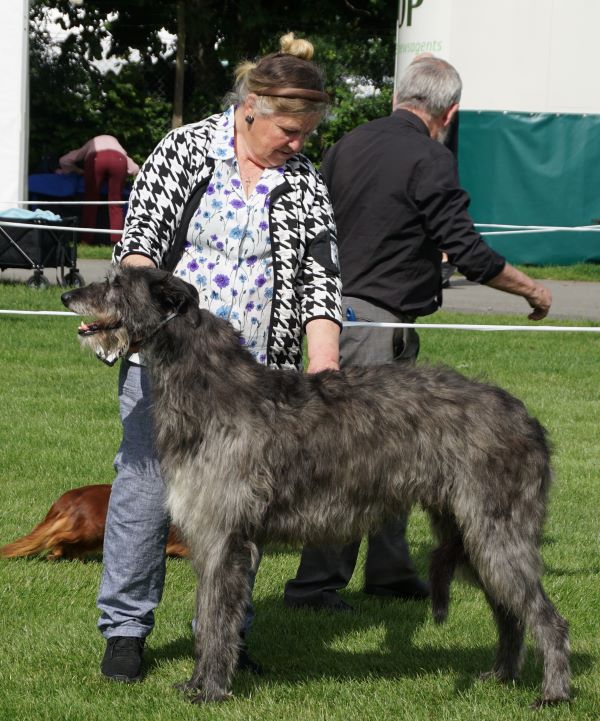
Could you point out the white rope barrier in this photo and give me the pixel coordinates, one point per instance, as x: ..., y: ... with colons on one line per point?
x: 38, y: 312
x: 544, y: 229
x: 503, y: 229
x: 72, y: 228
x: 64, y: 202
x: 510, y: 229
x: 503, y: 226
x: 467, y: 326
x: 365, y: 324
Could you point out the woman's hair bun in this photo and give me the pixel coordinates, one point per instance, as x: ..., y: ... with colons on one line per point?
x: 299, y: 48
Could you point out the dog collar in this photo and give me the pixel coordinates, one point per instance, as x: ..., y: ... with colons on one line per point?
x: 160, y: 325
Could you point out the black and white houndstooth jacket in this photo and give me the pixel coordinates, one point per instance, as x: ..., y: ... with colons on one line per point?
x: 307, y: 283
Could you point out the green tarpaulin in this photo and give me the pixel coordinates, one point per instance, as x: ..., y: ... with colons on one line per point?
x: 534, y: 169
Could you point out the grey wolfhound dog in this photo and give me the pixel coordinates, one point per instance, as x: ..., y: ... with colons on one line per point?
x: 253, y: 454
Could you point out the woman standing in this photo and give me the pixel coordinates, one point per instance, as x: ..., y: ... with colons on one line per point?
x: 231, y: 206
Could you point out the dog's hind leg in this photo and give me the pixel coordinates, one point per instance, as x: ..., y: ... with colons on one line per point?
x: 222, y: 598
x: 551, y: 633
x: 508, y: 565
x: 443, y: 562
x: 510, y: 653
x: 442, y: 566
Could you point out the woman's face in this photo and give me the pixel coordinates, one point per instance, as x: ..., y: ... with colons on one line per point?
x: 272, y: 139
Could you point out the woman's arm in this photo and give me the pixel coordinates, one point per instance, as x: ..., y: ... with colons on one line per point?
x: 161, y: 190
x: 323, y: 345
x: 140, y: 261
x: 320, y: 285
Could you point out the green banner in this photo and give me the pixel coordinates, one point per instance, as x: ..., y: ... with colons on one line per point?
x: 534, y: 169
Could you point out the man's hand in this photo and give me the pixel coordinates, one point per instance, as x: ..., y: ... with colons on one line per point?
x: 511, y: 280
x: 540, y: 300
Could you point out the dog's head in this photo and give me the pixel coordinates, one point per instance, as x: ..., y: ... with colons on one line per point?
x: 129, y: 307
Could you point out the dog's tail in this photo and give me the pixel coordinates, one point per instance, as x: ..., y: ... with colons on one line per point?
x: 51, y: 533
x: 442, y: 566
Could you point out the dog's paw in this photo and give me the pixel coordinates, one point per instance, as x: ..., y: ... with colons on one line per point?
x: 194, y: 692
x: 498, y: 675
x: 205, y: 696
x: 188, y: 688
x: 540, y: 703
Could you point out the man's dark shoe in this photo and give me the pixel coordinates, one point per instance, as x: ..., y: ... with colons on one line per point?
x: 415, y: 590
x: 329, y: 602
x: 123, y: 659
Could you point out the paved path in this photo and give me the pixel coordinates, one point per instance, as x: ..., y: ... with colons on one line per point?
x: 571, y: 299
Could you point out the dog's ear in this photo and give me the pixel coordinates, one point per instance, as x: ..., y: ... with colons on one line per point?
x: 190, y: 307
x: 177, y: 296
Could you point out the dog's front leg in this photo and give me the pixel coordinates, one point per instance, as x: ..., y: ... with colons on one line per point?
x: 222, y: 598
x: 191, y: 686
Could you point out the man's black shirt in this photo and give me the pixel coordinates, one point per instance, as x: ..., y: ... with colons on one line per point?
x: 398, y: 203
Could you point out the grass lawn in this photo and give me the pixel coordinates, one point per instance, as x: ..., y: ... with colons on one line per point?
x: 94, y: 252
x: 59, y: 429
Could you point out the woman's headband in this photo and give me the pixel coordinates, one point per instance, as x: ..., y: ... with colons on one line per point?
x: 302, y: 93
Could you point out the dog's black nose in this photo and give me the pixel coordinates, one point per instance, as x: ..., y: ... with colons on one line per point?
x: 66, y: 298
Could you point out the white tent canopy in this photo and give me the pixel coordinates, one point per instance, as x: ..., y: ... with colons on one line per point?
x: 14, y: 101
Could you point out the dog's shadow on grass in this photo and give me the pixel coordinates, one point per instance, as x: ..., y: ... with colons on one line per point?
x: 378, y: 639
x: 300, y: 645
x: 296, y: 645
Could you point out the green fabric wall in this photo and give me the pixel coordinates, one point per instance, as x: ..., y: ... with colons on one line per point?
x: 534, y: 169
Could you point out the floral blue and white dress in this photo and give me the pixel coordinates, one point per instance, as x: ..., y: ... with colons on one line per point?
x: 227, y: 255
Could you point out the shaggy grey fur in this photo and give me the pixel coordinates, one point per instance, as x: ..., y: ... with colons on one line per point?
x: 253, y: 454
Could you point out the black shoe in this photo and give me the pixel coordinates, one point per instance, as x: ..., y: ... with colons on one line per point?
x: 123, y: 659
x: 415, y: 590
x: 245, y: 663
x: 330, y: 602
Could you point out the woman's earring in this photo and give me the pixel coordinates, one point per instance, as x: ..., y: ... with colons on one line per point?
x: 249, y: 119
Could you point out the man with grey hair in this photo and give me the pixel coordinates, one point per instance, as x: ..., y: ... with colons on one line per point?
x: 431, y: 86
x: 398, y: 205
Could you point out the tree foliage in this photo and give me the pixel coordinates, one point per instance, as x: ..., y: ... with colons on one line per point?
x: 71, y: 100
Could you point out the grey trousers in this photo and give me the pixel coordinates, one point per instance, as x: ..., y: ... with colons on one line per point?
x: 326, y: 569
x: 137, y: 523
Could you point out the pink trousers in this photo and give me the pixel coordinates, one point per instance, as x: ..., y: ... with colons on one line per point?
x: 109, y: 165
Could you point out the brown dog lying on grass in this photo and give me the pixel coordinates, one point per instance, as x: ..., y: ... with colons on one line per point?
x: 74, y: 528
